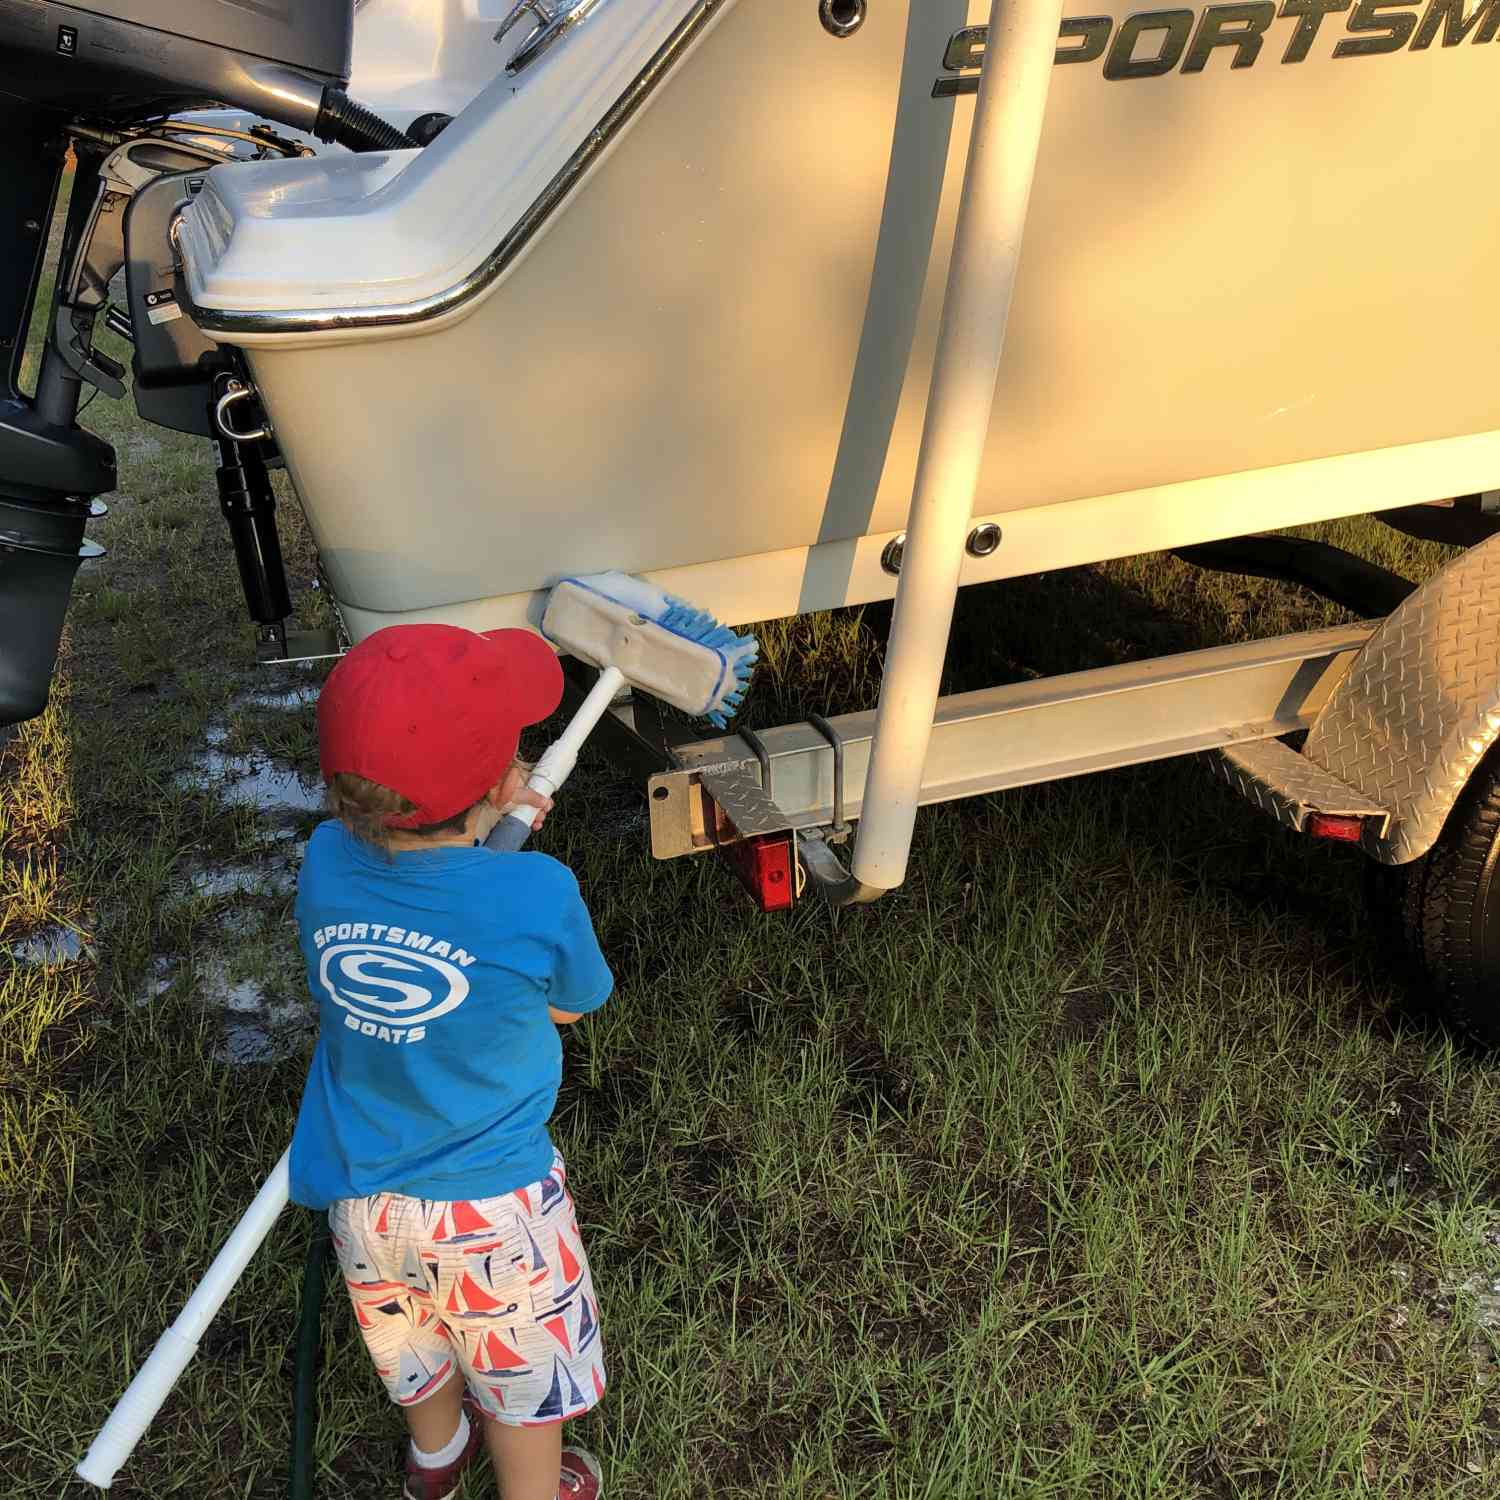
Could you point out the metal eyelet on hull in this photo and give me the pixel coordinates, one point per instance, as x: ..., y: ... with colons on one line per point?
x: 841, y: 18
x: 983, y: 540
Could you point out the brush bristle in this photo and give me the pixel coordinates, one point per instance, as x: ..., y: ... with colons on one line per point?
x: 739, y: 652
x: 743, y: 665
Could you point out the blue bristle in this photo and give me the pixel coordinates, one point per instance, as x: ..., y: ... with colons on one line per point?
x: 695, y: 624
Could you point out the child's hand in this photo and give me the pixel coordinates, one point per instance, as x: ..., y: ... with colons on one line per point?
x: 531, y: 799
x: 512, y: 790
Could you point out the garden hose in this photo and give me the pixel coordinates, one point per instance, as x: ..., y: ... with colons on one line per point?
x: 305, y: 1381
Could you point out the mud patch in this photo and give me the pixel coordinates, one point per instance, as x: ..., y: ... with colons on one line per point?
x: 1024, y: 1215
x: 758, y: 1445
x: 754, y: 1016
x: 600, y: 1109
x: 700, y: 1170
x: 1224, y: 1476
x: 745, y: 1014
x: 226, y: 1344
x: 1411, y: 1132
x: 876, y: 1083
x: 174, y: 1144
x: 1083, y: 1013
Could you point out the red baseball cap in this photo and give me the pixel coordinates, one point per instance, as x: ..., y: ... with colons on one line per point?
x: 435, y: 712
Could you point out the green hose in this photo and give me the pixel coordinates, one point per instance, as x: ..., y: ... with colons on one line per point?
x: 305, y: 1384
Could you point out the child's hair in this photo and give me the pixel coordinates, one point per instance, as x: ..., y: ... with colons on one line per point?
x: 363, y: 806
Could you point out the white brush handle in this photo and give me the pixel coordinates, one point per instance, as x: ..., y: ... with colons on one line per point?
x: 137, y: 1408
x: 557, y: 762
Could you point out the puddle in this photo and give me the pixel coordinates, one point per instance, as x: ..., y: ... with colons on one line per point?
x: 239, y: 923
x: 157, y: 981
x: 52, y: 945
x: 257, y: 1028
x: 262, y: 1038
x: 1477, y: 1294
x: 288, y: 834
x: 254, y: 1021
x: 289, y: 699
x: 278, y: 794
x: 272, y: 877
x: 231, y: 880
x: 1482, y: 1288
x: 1483, y: 1292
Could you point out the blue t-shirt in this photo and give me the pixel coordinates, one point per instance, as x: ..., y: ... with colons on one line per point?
x: 437, y: 1065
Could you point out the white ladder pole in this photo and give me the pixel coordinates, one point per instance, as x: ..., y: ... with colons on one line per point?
x: 1007, y: 130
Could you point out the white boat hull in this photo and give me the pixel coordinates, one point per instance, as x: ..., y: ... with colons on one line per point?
x: 1249, y: 297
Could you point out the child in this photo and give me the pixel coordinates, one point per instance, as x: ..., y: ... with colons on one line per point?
x: 442, y: 971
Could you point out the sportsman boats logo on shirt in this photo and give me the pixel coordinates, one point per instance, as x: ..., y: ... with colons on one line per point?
x: 391, y: 981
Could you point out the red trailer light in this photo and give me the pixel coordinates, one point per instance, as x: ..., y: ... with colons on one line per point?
x: 766, y: 867
x: 1343, y: 828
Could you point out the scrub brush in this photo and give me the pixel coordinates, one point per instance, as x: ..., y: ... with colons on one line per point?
x: 635, y: 633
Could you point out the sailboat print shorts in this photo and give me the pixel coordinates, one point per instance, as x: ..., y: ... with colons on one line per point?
x: 499, y: 1287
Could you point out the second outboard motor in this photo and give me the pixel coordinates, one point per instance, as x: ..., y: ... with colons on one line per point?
x: 41, y: 547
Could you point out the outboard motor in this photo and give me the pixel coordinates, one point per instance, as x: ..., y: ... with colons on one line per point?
x: 103, y: 79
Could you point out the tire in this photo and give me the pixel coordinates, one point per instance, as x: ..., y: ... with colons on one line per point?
x: 1450, y: 909
x: 1393, y: 903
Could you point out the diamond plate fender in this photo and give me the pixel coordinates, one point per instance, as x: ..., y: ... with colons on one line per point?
x: 1420, y: 707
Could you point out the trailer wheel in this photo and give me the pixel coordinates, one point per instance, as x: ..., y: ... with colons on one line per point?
x: 1451, y: 908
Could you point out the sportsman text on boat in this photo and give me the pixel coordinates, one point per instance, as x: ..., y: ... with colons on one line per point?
x: 1153, y: 42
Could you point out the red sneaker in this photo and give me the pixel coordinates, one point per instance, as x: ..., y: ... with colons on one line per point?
x: 581, y: 1477
x: 442, y: 1484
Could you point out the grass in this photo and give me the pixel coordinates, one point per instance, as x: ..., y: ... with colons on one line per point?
x: 1103, y: 1158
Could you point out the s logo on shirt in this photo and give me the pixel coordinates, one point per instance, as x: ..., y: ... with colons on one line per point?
x: 391, y: 985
